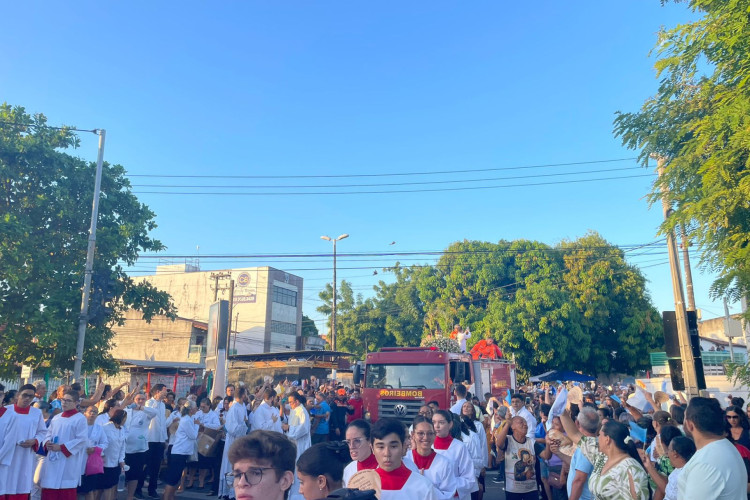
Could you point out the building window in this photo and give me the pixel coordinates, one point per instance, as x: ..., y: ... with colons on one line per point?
x: 285, y: 328
x: 284, y: 296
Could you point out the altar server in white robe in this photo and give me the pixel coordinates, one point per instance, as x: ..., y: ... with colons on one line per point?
x: 435, y: 467
x: 397, y: 481
x: 298, y: 430
x: 456, y: 452
x: 236, y: 427
x: 22, y: 431
x: 59, y: 472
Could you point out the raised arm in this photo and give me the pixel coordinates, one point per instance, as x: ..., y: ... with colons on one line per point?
x: 570, y: 427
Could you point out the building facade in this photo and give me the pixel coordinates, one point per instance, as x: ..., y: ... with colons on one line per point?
x: 266, y: 312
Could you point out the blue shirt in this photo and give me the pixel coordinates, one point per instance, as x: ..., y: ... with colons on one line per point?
x: 579, y: 462
x: 323, y: 425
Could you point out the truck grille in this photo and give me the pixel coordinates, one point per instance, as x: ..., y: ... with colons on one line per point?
x: 404, y: 410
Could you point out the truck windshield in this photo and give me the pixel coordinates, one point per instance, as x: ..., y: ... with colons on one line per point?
x: 406, y: 376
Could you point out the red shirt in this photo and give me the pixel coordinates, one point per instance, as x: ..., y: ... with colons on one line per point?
x: 358, y: 405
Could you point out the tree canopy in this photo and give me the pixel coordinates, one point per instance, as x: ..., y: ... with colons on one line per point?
x: 699, y: 122
x: 577, y: 305
x: 45, y: 211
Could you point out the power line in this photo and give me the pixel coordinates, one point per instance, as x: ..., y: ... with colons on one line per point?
x: 380, y: 184
x: 630, y: 246
x: 432, y: 190
x: 396, y: 174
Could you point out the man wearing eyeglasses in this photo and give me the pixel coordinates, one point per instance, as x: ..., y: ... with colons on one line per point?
x: 262, y: 466
x: 65, y: 442
x: 22, y: 429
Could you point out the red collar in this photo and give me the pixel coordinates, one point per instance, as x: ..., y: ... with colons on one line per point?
x: 69, y: 413
x: 442, y: 443
x: 368, y: 463
x: 421, y: 462
x: 2, y: 410
x: 395, y: 479
x: 21, y: 411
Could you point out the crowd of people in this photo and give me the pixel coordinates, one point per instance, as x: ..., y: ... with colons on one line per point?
x: 309, y: 439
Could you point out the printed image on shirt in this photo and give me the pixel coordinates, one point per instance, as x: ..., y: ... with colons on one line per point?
x: 523, y: 469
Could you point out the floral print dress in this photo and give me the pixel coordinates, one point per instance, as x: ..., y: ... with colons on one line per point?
x: 615, y: 484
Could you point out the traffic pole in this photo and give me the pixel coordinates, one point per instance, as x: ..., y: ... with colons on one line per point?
x: 683, y: 334
x: 84, y: 318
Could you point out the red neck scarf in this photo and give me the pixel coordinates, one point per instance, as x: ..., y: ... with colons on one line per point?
x: 421, y: 462
x: 21, y: 411
x: 68, y: 413
x: 442, y: 443
x: 394, y: 480
x: 368, y: 463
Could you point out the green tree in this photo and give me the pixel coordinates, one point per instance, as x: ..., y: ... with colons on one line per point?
x: 45, y: 203
x: 699, y: 122
x: 308, y: 327
x: 619, y: 323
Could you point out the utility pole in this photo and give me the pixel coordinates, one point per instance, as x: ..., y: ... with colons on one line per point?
x: 728, y: 333
x: 231, y: 303
x: 688, y: 271
x: 686, y: 349
x: 216, y: 277
x: 84, y: 318
x: 236, y: 320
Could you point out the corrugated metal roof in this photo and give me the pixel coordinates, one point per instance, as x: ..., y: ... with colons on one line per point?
x: 147, y: 363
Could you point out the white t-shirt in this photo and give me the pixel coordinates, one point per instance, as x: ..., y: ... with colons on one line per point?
x: 671, y: 491
x: 716, y: 471
x: 520, y: 459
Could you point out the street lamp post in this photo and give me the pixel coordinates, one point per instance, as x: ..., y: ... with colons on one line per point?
x: 333, y: 309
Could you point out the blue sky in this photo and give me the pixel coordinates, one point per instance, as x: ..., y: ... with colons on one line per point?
x: 342, y: 88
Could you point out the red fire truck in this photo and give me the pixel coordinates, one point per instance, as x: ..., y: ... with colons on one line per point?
x: 398, y: 380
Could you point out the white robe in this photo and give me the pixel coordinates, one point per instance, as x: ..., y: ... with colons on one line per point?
x: 440, y: 475
x: 299, y: 432
x: 263, y: 417
x: 463, y: 470
x: 17, y: 463
x: 57, y: 471
x: 473, y: 445
x: 416, y: 487
x: 236, y: 426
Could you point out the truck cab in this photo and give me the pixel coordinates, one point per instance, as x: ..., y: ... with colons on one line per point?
x: 399, y: 380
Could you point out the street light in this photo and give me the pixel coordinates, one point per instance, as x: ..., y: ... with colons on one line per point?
x: 333, y: 309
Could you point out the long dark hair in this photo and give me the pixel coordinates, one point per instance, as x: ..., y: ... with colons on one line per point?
x: 325, y: 459
x: 744, y: 422
x: 468, y: 423
x: 618, y: 433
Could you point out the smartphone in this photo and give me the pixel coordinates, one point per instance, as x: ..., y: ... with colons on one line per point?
x: 528, y: 400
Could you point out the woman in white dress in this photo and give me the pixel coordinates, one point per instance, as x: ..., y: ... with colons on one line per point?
x: 430, y: 464
x: 455, y: 451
